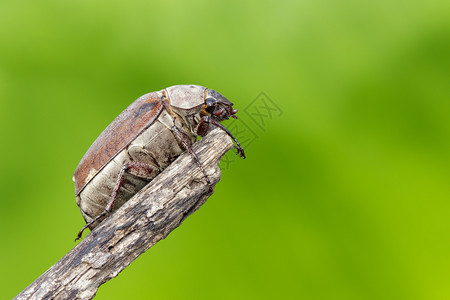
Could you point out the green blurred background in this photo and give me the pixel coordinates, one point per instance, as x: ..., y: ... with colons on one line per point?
x: 344, y: 196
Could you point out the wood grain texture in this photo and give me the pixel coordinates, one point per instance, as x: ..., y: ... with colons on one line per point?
x: 140, y: 223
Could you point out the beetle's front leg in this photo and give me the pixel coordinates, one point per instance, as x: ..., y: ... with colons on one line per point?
x: 139, y: 169
x: 203, y: 127
x: 186, y: 143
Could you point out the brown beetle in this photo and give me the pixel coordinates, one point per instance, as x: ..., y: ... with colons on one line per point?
x: 141, y: 142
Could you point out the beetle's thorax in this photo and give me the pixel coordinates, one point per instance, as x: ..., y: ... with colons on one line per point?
x: 187, y: 119
x: 186, y: 102
x: 186, y: 97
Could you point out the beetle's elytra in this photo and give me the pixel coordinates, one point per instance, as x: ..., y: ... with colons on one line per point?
x: 141, y: 142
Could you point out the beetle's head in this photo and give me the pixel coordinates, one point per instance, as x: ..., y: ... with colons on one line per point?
x: 217, y: 106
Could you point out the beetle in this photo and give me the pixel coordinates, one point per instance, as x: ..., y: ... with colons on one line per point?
x: 141, y: 142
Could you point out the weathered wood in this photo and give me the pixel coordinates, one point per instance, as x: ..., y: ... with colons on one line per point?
x: 141, y: 222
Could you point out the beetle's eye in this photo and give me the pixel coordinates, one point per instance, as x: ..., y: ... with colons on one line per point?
x: 210, y: 104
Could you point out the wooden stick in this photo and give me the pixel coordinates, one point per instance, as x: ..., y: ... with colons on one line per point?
x: 140, y: 223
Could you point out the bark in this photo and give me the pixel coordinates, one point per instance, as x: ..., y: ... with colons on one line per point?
x: 140, y: 223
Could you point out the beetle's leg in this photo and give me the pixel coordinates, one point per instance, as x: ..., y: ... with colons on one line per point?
x: 207, y: 119
x: 90, y: 223
x: 139, y: 169
x: 185, y: 140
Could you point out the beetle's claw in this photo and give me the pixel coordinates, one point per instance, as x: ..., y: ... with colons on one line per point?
x: 80, y: 233
x: 240, y: 151
x: 79, y: 236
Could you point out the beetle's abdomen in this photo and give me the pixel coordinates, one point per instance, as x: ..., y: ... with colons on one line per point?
x: 156, y: 146
x: 117, y: 136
